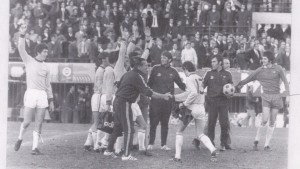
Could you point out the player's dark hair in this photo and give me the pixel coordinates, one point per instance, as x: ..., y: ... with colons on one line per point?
x: 113, y: 57
x: 219, y: 58
x: 40, y: 47
x: 136, y: 61
x: 189, y: 66
x: 167, y: 54
x: 269, y: 55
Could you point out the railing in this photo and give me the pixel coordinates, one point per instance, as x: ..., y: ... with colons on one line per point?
x: 278, y: 6
x: 210, y: 30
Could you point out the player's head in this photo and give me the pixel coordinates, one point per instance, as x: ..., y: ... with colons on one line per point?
x: 41, y: 51
x: 216, y: 62
x: 139, y: 63
x: 226, y: 63
x: 102, y: 59
x: 268, y: 58
x: 166, y: 58
x: 188, y: 67
x: 112, y: 57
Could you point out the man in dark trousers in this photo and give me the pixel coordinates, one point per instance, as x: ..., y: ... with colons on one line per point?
x: 161, y: 80
x: 130, y: 86
x: 217, y: 102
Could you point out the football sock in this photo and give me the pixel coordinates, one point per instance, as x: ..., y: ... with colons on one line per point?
x: 269, y: 135
x: 141, y: 139
x: 206, y: 141
x: 178, y: 145
x: 35, y: 142
x: 258, y: 133
x: 119, y: 144
x: 135, y: 139
x: 94, y: 136
x: 104, y: 140
x: 89, y: 139
x: 22, y: 131
x: 99, y: 133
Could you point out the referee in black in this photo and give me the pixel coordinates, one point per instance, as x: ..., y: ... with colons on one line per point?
x: 130, y: 86
x: 217, y: 102
x: 161, y: 80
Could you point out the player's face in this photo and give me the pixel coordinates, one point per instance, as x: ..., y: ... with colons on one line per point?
x: 226, y: 64
x: 144, y: 67
x: 44, y: 54
x: 215, y: 64
x: 265, y: 61
x: 165, y: 60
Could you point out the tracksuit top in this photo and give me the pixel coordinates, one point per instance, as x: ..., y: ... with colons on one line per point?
x: 37, y: 72
x: 162, y: 79
x: 214, y: 81
x: 131, y: 85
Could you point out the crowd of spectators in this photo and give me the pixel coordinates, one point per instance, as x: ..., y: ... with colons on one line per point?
x: 81, y: 30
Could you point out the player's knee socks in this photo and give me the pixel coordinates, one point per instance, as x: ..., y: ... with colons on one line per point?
x: 22, y: 131
x: 135, y: 139
x: 206, y: 141
x: 141, y: 139
x: 269, y: 135
x: 178, y: 145
x: 104, y: 140
x: 35, y: 139
x: 258, y: 132
x: 119, y: 144
x: 94, y: 136
x: 99, y: 133
x: 89, y: 139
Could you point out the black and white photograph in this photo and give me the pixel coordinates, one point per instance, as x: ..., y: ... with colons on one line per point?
x: 149, y: 84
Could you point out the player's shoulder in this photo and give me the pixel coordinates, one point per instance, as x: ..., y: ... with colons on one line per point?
x: 277, y: 67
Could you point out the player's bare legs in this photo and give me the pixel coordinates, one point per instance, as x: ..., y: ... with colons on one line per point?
x: 28, y: 114
x: 264, y: 121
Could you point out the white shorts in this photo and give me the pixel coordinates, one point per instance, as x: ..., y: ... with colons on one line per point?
x: 95, y: 102
x: 136, y: 111
x: 198, y: 111
x: 103, y: 103
x: 34, y: 98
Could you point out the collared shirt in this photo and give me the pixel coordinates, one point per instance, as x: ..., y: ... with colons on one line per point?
x: 99, y: 80
x: 215, y: 80
x: 162, y: 79
x: 269, y: 78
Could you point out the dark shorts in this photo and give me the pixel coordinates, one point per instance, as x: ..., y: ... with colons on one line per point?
x: 273, y: 101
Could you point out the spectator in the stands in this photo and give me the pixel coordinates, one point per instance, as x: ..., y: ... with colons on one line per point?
x: 227, y: 18
x: 203, y: 53
x: 243, y: 20
x: 54, y: 48
x: 253, y: 57
x: 176, y: 56
x: 84, y: 48
x: 155, y: 52
x: 189, y: 54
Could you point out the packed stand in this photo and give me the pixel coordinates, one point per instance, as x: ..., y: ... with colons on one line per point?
x: 80, y: 31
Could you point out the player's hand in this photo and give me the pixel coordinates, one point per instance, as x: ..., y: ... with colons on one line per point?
x: 23, y: 29
x: 150, y: 44
x: 166, y: 96
x: 287, y: 101
x: 51, y: 106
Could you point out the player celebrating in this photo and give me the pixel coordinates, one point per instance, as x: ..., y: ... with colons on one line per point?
x: 94, y: 134
x: 38, y: 96
x: 269, y: 76
x: 193, y: 100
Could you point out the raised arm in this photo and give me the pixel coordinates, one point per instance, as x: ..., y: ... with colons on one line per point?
x: 21, y: 45
x: 109, y: 79
x: 119, y: 68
